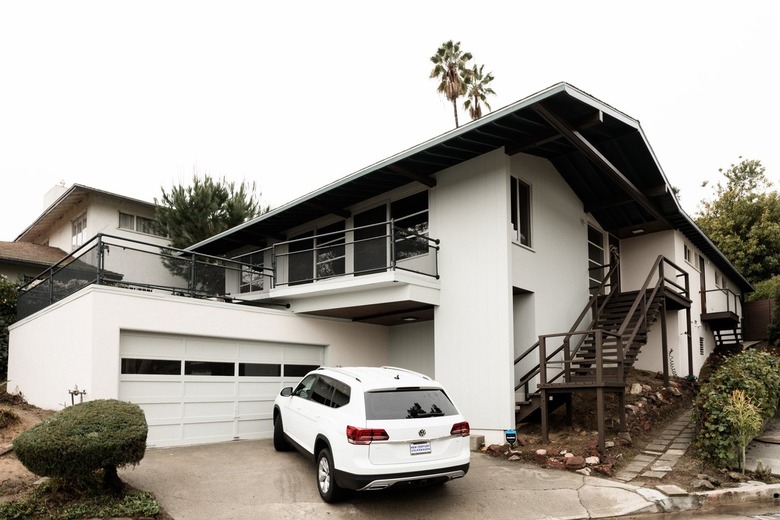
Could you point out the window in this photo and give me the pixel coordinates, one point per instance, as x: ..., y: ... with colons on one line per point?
x: 596, y: 259
x: 79, y: 231
x: 252, y: 278
x: 370, y: 240
x: 324, y: 390
x: 520, y: 194
x: 162, y: 367
x: 298, y: 370
x: 410, y: 216
x: 408, y: 404
x: 301, y: 259
x: 687, y: 253
x: 209, y: 368
x: 719, y: 282
x: 138, y: 223
x: 259, y: 370
x: 330, y: 250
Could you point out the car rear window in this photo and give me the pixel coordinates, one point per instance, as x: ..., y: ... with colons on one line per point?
x: 406, y: 403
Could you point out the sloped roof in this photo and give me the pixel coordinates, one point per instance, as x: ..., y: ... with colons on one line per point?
x: 30, y: 254
x: 64, y: 204
x: 600, y: 152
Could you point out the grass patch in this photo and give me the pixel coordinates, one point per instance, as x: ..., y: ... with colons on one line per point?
x: 56, y: 499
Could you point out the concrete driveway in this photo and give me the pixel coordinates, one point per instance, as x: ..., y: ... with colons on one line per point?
x: 248, y: 479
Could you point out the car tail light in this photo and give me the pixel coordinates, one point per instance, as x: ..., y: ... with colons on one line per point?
x: 461, y: 428
x: 365, y: 435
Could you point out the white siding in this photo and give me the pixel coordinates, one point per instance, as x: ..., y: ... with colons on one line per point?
x: 555, y: 268
x: 469, y: 212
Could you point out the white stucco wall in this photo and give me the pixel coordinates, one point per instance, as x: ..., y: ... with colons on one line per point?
x: 76, y: 341
x: 473, y: 324
x: 412, y: 347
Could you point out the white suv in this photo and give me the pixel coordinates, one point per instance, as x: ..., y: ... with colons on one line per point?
x: 371, y: 428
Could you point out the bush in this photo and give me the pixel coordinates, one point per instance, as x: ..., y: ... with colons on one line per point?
x: 78, y: 440
x: 757, y: 374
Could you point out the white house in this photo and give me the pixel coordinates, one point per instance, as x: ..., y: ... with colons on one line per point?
x: 453, y: 258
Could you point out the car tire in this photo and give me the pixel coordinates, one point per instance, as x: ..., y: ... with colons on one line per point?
x: 280, y: 442
x: 326, y: 478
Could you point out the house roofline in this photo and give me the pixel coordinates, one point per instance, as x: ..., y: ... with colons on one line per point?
x: 75, y: 188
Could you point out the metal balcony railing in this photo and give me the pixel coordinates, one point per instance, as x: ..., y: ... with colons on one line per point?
x: 132, y: 264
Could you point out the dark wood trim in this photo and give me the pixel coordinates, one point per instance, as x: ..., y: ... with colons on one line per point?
x: 406, y: 172
x: 597, y: 158
x: 588, y: 121
x: 339, y: 212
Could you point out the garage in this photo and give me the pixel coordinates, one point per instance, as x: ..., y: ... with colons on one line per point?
x: 197, y: 390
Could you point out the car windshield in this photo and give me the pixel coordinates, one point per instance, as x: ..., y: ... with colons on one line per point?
x: 413, y: 403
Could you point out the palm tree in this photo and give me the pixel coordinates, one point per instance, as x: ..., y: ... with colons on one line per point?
x: 477, y: 90
x: 450, y: 69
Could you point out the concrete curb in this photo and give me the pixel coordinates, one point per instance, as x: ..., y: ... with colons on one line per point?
x: 750, y: 493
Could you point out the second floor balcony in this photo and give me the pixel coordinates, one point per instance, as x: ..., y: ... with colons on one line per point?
x: 378, y: 274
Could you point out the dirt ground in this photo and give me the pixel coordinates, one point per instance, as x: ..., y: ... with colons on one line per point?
x: 657, y: 407
x: 15, y: 480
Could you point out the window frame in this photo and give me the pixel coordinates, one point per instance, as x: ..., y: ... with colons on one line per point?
x: 78, y: 236
x: 521, y: 211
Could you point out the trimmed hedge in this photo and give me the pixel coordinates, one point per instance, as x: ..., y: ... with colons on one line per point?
x: 755, y: 372
x: 80, y: 439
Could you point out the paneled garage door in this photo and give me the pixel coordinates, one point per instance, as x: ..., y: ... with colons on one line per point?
x: 197, y: 390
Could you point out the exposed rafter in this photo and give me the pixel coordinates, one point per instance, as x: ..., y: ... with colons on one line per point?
x: 406, y: 172
x: 339, y: 212
x: 588, y: 121
x: 596, y: 157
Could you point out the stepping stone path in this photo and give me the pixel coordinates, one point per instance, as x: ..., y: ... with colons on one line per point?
x: 659, y: 457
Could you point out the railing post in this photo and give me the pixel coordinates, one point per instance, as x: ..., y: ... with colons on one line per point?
x: 192, y: 275
x: 542, y: 360
x: 567, y: 359
x: 273, y: 266
x: 391, y: 236
x: 100, y: 260
x: 51, y: 285
x: 599, y: 357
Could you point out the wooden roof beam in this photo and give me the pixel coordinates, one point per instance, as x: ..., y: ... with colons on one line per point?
x: 339, y: 212
x: 588, y: 121
x: 406, y: 172
x: 597, y: 158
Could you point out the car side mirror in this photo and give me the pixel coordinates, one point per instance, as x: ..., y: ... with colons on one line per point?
x: 286, y: 391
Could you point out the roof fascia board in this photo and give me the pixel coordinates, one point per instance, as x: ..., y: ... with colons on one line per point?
x: 456, y: 132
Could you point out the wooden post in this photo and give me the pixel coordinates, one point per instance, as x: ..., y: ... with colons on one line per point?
x: 600, y: 418
x: 543, y: 411
x: 664, y: 343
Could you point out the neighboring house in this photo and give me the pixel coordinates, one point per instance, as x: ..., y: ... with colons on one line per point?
x: 453, y: 258
x: 20, y: 261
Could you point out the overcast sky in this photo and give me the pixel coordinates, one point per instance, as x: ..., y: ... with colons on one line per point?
x: 130, y: 97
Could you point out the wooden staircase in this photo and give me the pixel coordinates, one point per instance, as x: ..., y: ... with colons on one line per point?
x: 594, y: 355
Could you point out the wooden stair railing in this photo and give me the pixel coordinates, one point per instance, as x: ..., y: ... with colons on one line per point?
x: 598, y: 356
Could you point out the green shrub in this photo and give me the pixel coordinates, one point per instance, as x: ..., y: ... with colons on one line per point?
x: 757, y: 374
x: 80, y: 439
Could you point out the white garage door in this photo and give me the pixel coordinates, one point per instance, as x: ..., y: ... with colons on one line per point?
x: 198, y: 390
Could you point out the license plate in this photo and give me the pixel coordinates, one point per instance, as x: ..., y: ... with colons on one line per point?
x: 419, y: 448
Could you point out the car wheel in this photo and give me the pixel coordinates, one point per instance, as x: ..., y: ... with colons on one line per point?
x: 326, y: 477
x: 280, y: 443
